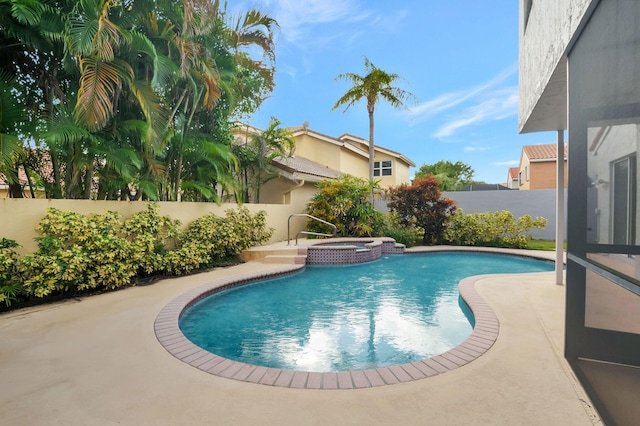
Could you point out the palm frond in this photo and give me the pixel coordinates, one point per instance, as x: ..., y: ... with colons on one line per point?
x: 27, y: 12
x: 98, y: 83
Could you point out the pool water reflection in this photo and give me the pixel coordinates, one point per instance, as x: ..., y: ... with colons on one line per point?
x: 398, y: 309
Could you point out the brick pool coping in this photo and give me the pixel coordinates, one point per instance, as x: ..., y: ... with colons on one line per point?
x: 481, y: 339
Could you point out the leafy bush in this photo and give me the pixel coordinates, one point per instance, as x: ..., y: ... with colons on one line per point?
x: 98, y: 251
x: 495, y: 229
x: 151, y: 234
x: 210, y: 239
x: 408, y: 235
x: 10, y: 283
x: 420, y: 205
x: 346, y: 203
x: 77, y: 253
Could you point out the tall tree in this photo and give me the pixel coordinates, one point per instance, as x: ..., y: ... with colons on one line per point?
x: 452, y: 176
x: 376, y: 84
x: 126, y: 95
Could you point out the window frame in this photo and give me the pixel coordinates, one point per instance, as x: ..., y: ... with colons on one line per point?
x: 379, y: 168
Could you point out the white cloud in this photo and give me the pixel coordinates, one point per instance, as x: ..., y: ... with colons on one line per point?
x: 449, y: 100
x: 507, y: 163
x: 495, y: 105
x: 295, y: 16
x: 476, y: 148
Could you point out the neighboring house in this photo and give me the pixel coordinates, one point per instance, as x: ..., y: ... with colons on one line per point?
x: 389, y: 167
x: 350, y: 154
x: 512, y: 178
x: 538, y: 167
x: 579, y: 62
x: 296, y: 181
x: 318, y: 156
x: 24, y: 183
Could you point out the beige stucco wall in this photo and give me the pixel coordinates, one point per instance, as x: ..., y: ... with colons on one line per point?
x: 320, y: 151
x: 354, y: 164
x: 19, y: 217
x: 332, y: 155
x: 400, y: 171
x: 542, y: 175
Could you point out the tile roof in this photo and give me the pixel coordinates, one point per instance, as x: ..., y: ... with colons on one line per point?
x: 308, y: 167
x: 22, y: 178
x: 513, y: 172
x: 541, y: 152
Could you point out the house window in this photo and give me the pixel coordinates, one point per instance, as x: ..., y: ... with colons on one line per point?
x: 520, y: 178
x: 382, y: 168
x: 623, y: 203
x: 526, y: 173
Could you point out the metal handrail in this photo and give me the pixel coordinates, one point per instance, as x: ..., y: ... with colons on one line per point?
x: 335, y: 229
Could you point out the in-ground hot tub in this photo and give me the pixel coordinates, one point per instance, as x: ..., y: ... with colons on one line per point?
x: 340, y: 251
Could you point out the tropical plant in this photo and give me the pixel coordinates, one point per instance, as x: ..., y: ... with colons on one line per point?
x: 256, y: 157
x: 420, y: 204
x: 345, y: 202
x: 10, y: 147
x: 133, y: 99
x: 10, y: 279
x: 376, y: 84
x: 409, y: 235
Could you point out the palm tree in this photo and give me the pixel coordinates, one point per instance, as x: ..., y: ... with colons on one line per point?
x: 256, y: 156
x: 375, y: 84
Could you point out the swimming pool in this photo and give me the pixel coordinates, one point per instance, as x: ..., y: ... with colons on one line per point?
x: 394, y: 311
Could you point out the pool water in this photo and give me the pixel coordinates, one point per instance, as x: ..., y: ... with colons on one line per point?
x: 399, y: 309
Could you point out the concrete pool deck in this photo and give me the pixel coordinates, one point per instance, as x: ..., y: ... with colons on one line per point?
x: 97, y: 360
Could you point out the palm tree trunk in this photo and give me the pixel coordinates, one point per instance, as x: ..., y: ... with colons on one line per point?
x: 178, y: 178
x: 29, y: 182
x: 372, y: 151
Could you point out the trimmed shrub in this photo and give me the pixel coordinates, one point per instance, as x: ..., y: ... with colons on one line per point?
x: 211, y: 239
x: 10, y: 284
x: 78, y: 253
x: 151, y: 236
x: 494, y: 229
x: 408, y: 235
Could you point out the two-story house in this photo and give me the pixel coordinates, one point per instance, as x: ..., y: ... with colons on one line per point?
x: 537, y: 168
x: 319, y: 156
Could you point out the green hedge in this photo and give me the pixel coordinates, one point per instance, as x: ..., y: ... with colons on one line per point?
x: 494, y: 229
x: 77, y: 253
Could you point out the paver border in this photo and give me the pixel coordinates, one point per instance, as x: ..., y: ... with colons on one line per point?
x: 483, y: 336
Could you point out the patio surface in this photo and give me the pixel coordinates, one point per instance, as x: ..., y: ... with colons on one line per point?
x: 97, y: 361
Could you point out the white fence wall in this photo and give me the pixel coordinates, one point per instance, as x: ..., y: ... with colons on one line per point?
x: 540, y: 202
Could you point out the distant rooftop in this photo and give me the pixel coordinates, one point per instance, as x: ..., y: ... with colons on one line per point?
x: 543, y: 152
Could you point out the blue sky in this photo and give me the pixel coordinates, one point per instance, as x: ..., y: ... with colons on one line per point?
x: 459, y: 58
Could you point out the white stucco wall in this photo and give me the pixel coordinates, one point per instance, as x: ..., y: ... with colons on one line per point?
x: 544, y: 38
x: 541, y: 202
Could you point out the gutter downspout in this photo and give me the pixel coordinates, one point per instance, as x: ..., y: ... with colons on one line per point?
x: 560, y: 208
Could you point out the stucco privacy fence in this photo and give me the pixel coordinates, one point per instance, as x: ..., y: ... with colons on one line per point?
x: 19, y: 217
